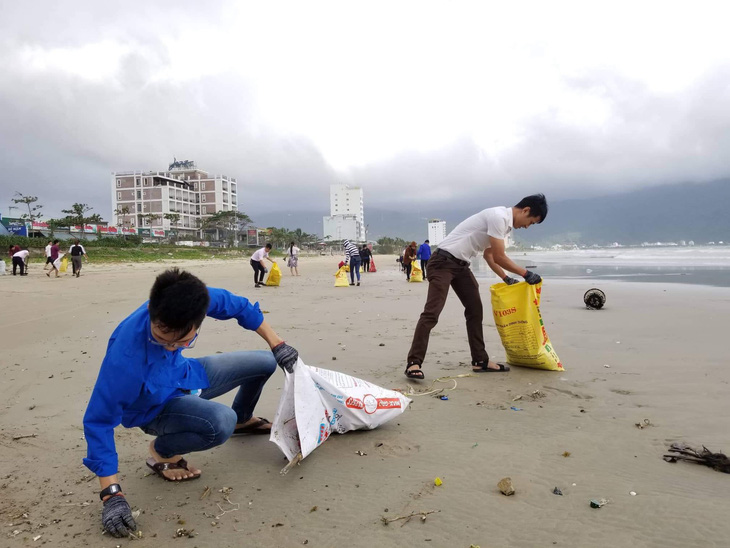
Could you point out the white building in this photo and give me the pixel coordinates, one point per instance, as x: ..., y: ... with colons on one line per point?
x: 347, y: 214
x: 436, y: 231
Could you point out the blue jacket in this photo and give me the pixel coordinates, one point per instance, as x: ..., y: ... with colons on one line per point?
x: 424, y: 252
x: 137, y: 377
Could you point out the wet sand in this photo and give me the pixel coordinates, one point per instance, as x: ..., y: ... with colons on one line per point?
x: 664, y: 345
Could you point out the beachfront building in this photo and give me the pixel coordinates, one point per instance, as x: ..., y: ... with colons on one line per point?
x: 147, y: 198
x: 347, y: 214
x: 436, y: 231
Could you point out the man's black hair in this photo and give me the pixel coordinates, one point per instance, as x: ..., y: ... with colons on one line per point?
x: 11, y: 246
x: 537, y: 204
x: 178, y: 301
x: 268, y: 246
x: 426, y: 242
x: 55, y: 241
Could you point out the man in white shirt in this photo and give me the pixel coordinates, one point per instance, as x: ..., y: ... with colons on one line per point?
x: 77, y: 251
x: 20, y: 259
x: 482, y: 233
x: 257, y: 263
x: 48, y: 255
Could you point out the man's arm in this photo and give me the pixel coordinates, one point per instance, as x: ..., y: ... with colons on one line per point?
x: 269, y: 335
x: 496, y: 257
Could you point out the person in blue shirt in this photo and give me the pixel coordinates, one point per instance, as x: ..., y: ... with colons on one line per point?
x: 424, y: 254
x: 146, y: 382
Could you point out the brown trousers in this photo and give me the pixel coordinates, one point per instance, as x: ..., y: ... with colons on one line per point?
x: 445, y: 272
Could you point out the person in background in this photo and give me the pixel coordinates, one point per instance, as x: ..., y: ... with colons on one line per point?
x: 47, y: 252
x: 54, y: 256
x: 483, y: 233
x: 424, y: 254
x: 12, y: 250
x: 77, y: 251
x: 146, y: 382
x: 293, y: 260
x: 365, y: 254
x: 409, y: 255
x: 257, y: 263
x: 352, y: 258
x: 20, y: 259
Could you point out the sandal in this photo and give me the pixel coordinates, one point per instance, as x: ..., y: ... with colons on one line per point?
x: 483, y: 368
x: 416, y: 374
x: 160, y: 467
x: 254, y: 428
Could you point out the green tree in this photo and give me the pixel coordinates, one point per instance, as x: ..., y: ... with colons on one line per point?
x: 79, y: 215
x: 121, y: 213
x: 29, y: 201
x: 228, y: 223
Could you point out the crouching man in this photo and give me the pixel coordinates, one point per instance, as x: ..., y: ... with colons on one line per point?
x: 146, y: 382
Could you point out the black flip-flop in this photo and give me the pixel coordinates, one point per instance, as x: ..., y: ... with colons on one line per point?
x: 416, y: 374
x: 503, y: 368
x: 254, y: 428
x: 160, y: 467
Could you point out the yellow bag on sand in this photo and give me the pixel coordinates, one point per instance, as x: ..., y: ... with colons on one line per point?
x: 416, y: 273
x: 64, y: 265
x: 516, y: 310
x: 341, y: 278
x: 274, y: 275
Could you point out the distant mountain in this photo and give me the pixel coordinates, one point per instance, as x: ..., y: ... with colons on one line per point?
x: 665, y: 213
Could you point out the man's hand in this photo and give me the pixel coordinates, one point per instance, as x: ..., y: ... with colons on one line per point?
x: 266, y: 270
x: 285, y: 356
x: 117, y: 517
x: 509, y: 281
x: 532, y: 278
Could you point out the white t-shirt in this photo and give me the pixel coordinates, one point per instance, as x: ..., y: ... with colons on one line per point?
x: 260, y: 254
x: 23, y: 254
x: 48, y: 250
x: 294, y: 251
x: 471, y: 236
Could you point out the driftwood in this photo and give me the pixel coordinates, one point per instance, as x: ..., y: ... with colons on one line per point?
x: 716, y: 461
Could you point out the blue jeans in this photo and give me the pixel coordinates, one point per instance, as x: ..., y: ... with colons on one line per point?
x: 194, y: 423
x: 354, y: 268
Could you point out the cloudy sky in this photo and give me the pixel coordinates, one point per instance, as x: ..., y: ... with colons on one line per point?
x: 417, y: 102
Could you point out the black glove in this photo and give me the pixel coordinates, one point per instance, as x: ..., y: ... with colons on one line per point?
x: 117, y: 517
x: 509, y: 281
x: 266, y: 270
x: 285, y: 356
x: 532, y: 278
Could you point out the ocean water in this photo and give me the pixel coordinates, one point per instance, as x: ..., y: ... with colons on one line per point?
x: 702, y: 265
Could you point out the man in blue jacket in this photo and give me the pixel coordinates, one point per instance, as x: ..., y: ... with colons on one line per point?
x: 146, y: 382
x: 424, y: 253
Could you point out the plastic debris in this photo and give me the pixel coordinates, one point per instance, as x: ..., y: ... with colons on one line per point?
x: 437, y: 482
x: 516, y: 408
x: 557, y: 491
x: 632, y: 493
x: 598, y: 503
x: 506, y: 487
x: 443, y: 398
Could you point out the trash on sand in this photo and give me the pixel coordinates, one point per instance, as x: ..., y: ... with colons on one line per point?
x: 516, y: 408
x: 443, y: 398
x: 606, y: 366
x: 566, y: 454
x: 506, y: 487
x: 557, y: 491
x: 598, y: 503
x: 643, y: 424
x: 407, y: 518
x: 632, y: 493
x: 716, y: 461
x: 594, y: 299
x: 361, y: 453
x: 437, y: 482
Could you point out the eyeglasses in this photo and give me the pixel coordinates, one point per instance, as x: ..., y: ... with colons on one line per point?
x: 188, y: 344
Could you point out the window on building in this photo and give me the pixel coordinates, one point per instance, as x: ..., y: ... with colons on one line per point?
x: 119, y: 195
x: 139, y: 207
x: 119, y: 183
x: 205, y: 210
x: 202, y: 197
x: 202, y: 186
x: 139, y: 194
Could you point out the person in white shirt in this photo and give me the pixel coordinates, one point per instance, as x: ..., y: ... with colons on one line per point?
x: 77, y: 251
x: 48, y: 255
x: 20, y: 259
x: 257, y: 263
x: 293, y: 262
x: 482, y: 233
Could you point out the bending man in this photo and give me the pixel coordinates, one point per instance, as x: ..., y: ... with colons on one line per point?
x: 449, y: 267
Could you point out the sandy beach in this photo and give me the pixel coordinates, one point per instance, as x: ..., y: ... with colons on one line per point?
x: 666, y: 363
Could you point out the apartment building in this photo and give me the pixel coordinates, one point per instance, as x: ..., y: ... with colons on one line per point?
x: 347, y: 214
x: 144, y: 198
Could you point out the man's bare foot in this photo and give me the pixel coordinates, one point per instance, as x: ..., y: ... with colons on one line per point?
x: 177, y: 473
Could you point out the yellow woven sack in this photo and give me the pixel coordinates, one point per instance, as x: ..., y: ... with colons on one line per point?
x: 341, y: 278
x: 516, y: 310
x: 64, y: 265
x: 274, y: 275
x: 416, y: 273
